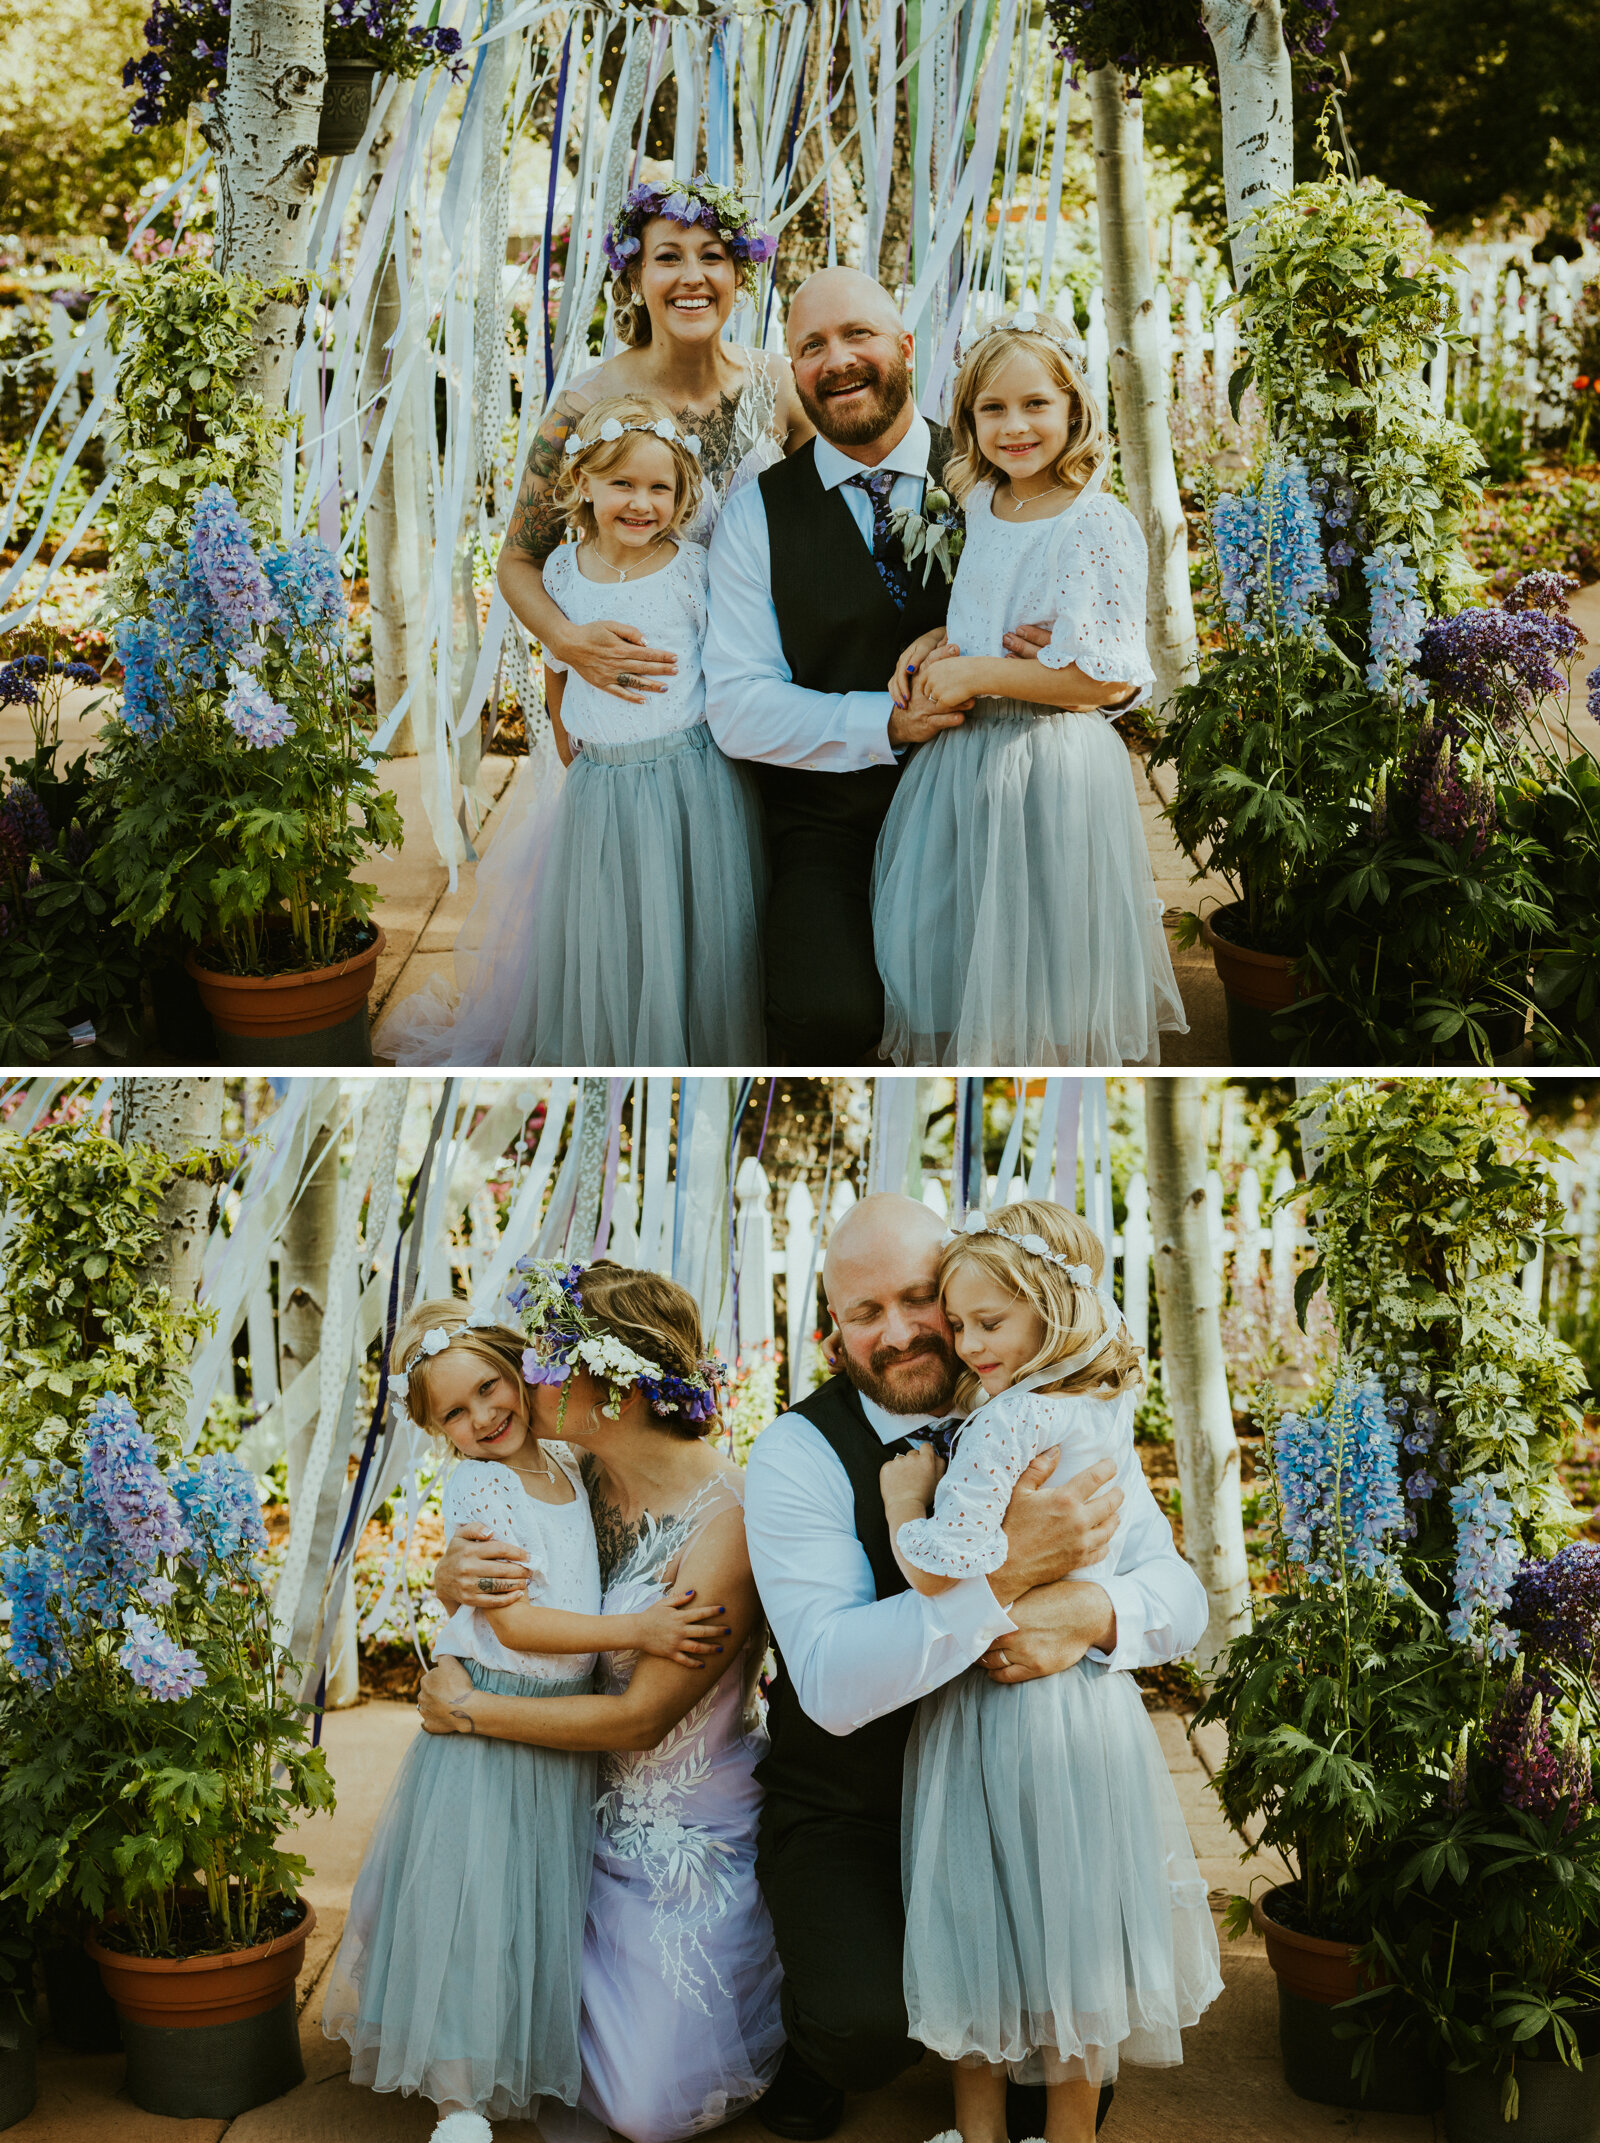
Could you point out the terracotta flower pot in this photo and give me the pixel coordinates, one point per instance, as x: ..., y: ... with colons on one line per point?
x: 265, y: 1019
x: 1257, y: 985
x: 346, y: 107
x: 1315, y: 1970
x: 183, y: 1992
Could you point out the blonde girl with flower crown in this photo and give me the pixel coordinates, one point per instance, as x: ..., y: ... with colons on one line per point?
x: 1056, y: 1920
x: 1014, y: 911
x: 621, y: 923
x: 457, y: 1974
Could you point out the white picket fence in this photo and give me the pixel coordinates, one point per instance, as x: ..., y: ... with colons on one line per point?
x: 1520, y: 317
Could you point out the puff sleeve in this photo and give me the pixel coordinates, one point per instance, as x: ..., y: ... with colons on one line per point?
x: 1101, y: 566
x: 558, y: 568
x: 965, y: 1537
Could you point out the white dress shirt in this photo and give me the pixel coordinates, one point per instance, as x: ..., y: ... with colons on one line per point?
x: 853, y: 1656
x: 755, y: 708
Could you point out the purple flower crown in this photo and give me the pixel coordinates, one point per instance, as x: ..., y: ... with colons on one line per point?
x: 689, y: 202
x: 564, y: 1336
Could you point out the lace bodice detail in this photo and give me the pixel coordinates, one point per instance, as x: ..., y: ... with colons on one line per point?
x: 964, y: 1537
x: 738, y: 439
x: 1083, y: 573
x: 558, y: 1539
x: 669, y: 608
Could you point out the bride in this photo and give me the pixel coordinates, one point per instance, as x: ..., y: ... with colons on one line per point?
x: 680, y: 254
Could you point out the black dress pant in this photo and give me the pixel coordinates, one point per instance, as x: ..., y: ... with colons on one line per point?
x: 832, y: 1886
x: 824, y: 996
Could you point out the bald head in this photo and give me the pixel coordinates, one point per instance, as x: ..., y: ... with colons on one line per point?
x: 851, y: 356
x: 881, y: 1278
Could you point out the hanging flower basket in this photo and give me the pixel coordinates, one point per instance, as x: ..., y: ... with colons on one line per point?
x: 346, y: 107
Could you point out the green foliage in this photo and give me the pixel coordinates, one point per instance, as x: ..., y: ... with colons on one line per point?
x: 182, y: 333
x: 166, y: 1814
x: 1429, y: 1197
x: 1141, y: 35
x: 68, y: 163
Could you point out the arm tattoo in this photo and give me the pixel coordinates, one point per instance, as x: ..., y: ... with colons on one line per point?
x: 536, y: 526
x: 459, y: 1711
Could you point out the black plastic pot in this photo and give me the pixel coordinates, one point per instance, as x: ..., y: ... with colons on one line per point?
x: 1317, y: 2064
x: 19, y: 2086
x: 346, y: 107
x: 1555, y: 2105
x: 82, y: 2016
x: 214, y: 2071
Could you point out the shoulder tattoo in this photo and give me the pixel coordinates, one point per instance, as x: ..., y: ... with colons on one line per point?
x: 536, y: 525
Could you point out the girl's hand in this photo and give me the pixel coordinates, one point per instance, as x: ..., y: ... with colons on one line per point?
x: 679, y: 1629
x: 916, y: 654
x: 912, y: 1477
x: 442, y: 1699
x: 947, y: 683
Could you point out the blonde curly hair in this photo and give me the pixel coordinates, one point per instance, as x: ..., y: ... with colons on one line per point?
x: 599, y: 457
x: 1074, y: 1317
x: 1086, y: 446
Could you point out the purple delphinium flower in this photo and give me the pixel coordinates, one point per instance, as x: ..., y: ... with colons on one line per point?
x: 1499, y: 661
x: 1487, y: 1557
x: 220, y: 1509
x: 1398, y: 615
x: 223, y: 554
x: 1593, y: 695
x: 170, y: 1672
x: 131, y: 1487
x: 1339, y: 1482
x: 17, y: 688
x: 1540, y: 590
x: 255, y: 717
x: 27, y: 818
x: 1454, y: 807
x: 1556, y: 1605
x: 1537, y: 1770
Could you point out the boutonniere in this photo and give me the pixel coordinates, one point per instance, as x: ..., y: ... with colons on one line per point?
x: 935, y: 535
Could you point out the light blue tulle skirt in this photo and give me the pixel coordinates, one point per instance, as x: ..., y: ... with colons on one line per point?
x: 1014, y: 911
x: 458, y: 1971
x: 647, y: 930
x: 1056, y: 1919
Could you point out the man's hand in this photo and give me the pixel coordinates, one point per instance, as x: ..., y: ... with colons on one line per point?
x: 492, y: 1575
x: 1053, y: 1528
x: 442, y: 1699
x: 1026, y: 641
x: 1056, y: 1626
x: 922, y: 720
x: 617, y: 659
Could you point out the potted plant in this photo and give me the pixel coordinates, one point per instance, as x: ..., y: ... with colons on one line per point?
x: 66, y: 971
x: 150, y: 1760
x: 246, y: 796
x: 1339, y: 1704
x: 187, y: 57
x: 1491, y: 1930
x: 18, y: 2039
x: 1328, y: 563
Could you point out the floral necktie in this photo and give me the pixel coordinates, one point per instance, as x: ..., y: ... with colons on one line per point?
x: 886, y: 554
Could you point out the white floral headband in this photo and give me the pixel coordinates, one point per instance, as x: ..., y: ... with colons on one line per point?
x: 434, y: 1341
x: 1036, y: 1246
x: 613, y: 428
x: 1029, y: 323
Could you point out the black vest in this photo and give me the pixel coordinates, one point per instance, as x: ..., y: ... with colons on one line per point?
x: 808, y: 1769
x: 838, y: 623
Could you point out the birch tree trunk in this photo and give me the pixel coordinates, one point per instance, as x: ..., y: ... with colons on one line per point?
x: 1189, y: 1292
x: 1139, y: 378
x: 263, y: 130
x: 386, y: 575
x: 309, y: 1240
x: 1257, y: 98
x: 174, y: 1115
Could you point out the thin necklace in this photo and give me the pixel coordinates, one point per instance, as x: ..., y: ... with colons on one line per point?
x: 622, y: 572
x: 532, y: 1473
x: 1033, y: 501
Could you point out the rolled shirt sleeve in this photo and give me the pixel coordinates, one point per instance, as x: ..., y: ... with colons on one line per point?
x: 852, y: 1656
x: 754, y: 707
x: 1159, y: 1601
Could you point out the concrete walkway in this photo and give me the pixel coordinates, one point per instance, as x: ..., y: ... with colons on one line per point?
x: 1229, y: 2086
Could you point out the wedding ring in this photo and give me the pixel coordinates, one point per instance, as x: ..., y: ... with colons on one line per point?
x: 488, y: 1584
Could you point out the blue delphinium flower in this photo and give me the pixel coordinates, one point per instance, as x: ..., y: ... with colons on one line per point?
x: 306, y: 584
x: 1487, y: 1558
x: 169, y: 1671
x: 218, y: 1501
x: 222, y: 553
x: 130, y: 1485
x: 1398, y: 615
x: 1339, y: 1489
x: 31, y: 1584
x: 255, y: 717
x: 1269, y: 555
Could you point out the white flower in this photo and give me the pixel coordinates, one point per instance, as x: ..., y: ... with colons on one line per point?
x: 1080, y: 1275
x: 1035, y: 1243
x: 1027, y: 322
x: 479, y: 1321
x: 692, y: 442
x: 975, y: 1224
x: 611, y: 429
x: 436, y: 1340
x: 573, y: 446
x: 664, y: 428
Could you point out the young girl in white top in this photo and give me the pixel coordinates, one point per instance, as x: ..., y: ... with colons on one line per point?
x: 1056, y: 1919
x: 457, y: 1974
x: 1014, y: 911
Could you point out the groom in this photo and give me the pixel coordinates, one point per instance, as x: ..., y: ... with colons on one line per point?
x: 812, y: 605
x: 857, y: 1647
